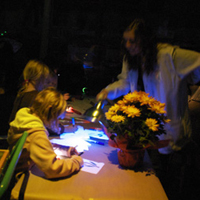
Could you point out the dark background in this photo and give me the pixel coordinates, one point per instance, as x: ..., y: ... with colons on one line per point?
x: 57, y: 31
x: 62, y: 32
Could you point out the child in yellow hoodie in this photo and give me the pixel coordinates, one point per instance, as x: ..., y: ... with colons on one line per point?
x: 47, y: 108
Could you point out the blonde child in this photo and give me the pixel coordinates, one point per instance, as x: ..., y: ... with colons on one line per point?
x: 49, y: 105
x: 36, y: 78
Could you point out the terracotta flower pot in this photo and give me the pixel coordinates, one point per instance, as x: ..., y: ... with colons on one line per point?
x: 130, y: 158
x: 127, y: 158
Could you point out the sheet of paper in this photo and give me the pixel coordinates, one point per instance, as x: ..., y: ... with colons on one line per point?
x: 92, y: 166
x: 80, y: 144
x: 96, y: 134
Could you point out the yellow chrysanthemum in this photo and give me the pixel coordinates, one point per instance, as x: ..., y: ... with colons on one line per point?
x: 145, y: 100
x: 152, y: 124
x: 121, y: 102
x: 132, y: 111
x: 108, y: 115
x: 123, y: 108
x: 143, y: 94
x: 158, y: 108
x: 117, y: 118
x: 131, y: 97
x: 114, y: 108
x: 124, y: 114
x: 167, y: 120
x: 125, y: 102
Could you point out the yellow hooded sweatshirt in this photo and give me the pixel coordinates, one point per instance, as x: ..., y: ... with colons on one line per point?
x: 38, y: 149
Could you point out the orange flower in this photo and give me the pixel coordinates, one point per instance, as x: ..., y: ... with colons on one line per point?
x: 138, y: 117
x: 132, y: 111
x: 131, y: 97
x: 158, y: 108
x: 152, y: 124
x: 114, y: 108
x: 108, y: 115
x: 117, y: 118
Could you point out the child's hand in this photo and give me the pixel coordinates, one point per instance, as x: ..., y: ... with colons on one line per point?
x: 72, y: 151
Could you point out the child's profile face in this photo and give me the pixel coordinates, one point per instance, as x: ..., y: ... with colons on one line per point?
x: 53, y: 83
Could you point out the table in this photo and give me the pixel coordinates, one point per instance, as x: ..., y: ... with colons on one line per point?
x: 111, y: 183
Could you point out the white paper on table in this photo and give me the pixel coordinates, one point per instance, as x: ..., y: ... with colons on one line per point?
x: 80, y: 144
x: 97, y: 134
x: 92, y: 166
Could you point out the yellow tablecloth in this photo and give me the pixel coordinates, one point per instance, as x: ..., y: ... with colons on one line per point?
x: 111, y: 183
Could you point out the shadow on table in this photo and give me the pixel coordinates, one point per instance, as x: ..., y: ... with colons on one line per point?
x: 146, y: 167
x: 112, y: 157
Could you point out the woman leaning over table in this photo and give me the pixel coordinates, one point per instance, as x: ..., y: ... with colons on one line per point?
x: 164, y: 72
x: 48, y: 106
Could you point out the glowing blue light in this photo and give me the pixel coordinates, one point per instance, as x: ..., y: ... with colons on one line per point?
x: 87, y: 67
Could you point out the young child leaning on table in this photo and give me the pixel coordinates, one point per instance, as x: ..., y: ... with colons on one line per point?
x: 48, y: 107
x: 37, y: 76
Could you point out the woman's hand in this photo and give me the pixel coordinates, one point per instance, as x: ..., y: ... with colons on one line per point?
x: 102, y: 95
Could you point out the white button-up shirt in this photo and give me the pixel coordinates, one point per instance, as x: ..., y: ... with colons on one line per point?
x: 175, y: 68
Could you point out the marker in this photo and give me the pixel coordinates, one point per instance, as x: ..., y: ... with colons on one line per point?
x: 73, y: 122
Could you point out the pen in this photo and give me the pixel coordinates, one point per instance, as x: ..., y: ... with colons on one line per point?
x: 81, y: 153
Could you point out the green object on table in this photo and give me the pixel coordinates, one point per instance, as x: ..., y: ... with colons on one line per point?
x: 9, y: 167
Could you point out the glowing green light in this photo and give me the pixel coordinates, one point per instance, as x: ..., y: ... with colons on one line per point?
x: 1, y: 34
x: 83, y: 90
x: 5, y: 31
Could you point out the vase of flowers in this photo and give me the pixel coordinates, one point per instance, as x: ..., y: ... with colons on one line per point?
x: 135, y: 122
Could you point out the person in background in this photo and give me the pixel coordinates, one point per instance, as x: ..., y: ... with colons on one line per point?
x: 36, y: 78
x: 53, y: 81
x: 48, y: 107
x: 164, y: 72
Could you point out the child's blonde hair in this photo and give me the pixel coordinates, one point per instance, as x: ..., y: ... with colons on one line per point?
x: 37, y: 73
x: 49, y: 104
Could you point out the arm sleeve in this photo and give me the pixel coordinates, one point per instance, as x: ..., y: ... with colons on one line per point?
x: 42, y: 154
x: 187, y: 63
x: 121, y: 86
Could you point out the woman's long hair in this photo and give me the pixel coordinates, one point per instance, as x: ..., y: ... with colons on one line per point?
x: 148, y: 43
